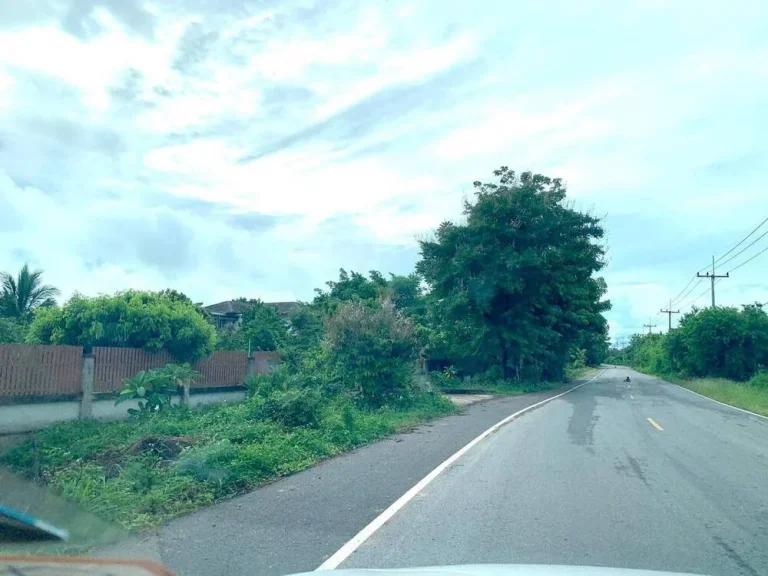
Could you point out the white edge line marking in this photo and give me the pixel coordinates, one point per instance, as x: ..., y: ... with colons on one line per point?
x: 718, y: 402
x: 345, y: 551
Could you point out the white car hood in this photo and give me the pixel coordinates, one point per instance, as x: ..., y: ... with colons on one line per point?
x: 502, y: 570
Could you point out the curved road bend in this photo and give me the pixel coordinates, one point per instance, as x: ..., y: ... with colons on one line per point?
x: 635, y: 475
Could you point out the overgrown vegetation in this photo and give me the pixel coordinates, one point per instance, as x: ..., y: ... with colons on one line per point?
x: 371, y: 351
x: 143, y: 471
x: 719, y: 352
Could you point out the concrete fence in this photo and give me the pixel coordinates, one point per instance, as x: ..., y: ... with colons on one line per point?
x: 44, y: 384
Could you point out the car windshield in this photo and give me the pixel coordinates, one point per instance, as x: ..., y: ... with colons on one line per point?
x: 342, y: 284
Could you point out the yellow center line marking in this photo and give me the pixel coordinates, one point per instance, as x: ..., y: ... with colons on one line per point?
x: 655, y: 424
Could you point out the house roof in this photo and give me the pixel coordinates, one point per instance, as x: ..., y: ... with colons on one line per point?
x: 227, y: 307
x: 285, y: 308
x: 237, y: 307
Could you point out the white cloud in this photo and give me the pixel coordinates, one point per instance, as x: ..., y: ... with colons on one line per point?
x: 341, y: 131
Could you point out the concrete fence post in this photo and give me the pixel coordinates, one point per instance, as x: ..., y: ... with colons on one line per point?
x: 185, y: 397
x: 250, y: 366
x: 86, y: 401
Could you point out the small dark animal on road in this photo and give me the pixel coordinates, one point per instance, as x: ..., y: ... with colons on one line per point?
x: 627, y: 379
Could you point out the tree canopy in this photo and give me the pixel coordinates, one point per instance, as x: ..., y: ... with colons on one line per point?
x: 514, y: 284
x: 22, y: 294
x: 133, y: 319
x: 11, y: 331
x: 261, y: 326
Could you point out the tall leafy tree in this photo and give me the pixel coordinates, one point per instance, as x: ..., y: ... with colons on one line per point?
x: 514, y: 284
x: 22, y: 294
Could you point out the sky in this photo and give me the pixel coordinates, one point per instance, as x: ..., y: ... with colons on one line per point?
x: 252, y: 148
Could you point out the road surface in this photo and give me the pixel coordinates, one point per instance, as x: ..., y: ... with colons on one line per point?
x: 634, y: 475
x: 294, y: 524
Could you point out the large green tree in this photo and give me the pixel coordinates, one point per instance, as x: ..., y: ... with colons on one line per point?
x: 20, y: 295
x: 514, y: 284
x: 131, y: 319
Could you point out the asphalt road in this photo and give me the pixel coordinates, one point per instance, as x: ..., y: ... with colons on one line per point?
x: 294, y: 524
x: 588, y: 479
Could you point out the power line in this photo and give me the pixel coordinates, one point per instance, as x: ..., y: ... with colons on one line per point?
x: 739, y: 244
x: 696, y: 299
x: 699, y: 296
x: 748, y: 260
x: 682, y: 295
x: 691, y: 290
x: 676, y: 298
x: 745, y: 248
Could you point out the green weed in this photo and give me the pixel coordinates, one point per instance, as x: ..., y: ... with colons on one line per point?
x: 142, y: 472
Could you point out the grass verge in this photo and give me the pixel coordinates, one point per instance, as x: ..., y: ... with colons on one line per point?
x: 738, y: 394
x: 752, y: 395
x: 139, y: 473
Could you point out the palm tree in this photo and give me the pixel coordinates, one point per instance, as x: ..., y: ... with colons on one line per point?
x: 21, y: 295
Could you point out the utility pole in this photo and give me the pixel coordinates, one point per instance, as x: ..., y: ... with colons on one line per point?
x: 712, y: 278
x: 650, y: 325
x: 669, y: 312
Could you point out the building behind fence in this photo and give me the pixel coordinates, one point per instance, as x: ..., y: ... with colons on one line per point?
x: 32, y: 373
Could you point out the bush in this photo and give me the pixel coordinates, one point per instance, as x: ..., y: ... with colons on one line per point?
x: 371, y: 350
x: 292, y: 408
x: 11, y: 331
x: 445, y: 379
x: 131, y: 319
x: 759, y: 380
x: 283, y: 378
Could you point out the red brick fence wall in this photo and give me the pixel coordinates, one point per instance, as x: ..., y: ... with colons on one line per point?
x: 28, y: 370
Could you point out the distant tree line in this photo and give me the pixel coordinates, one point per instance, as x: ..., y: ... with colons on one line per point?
x: 721, y: 342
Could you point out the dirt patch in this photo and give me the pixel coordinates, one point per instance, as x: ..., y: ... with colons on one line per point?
x: 111, y: 461
x: 163, y: 447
